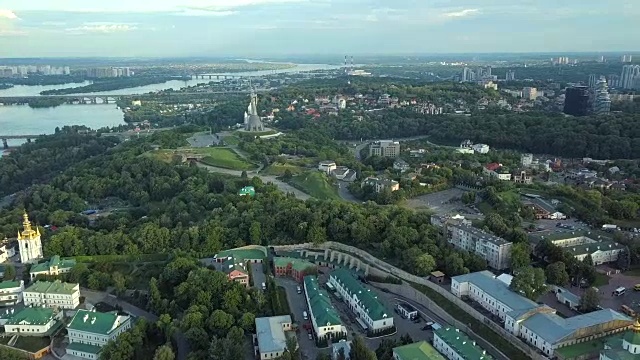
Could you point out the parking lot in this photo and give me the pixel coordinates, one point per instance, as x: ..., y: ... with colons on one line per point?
x: 203, y: 140
x: 445, y: 202
x: 297, y: 304
x: 258, y: 276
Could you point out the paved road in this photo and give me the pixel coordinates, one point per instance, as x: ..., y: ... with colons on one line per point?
x: 345, y: 194
x: 99, y: 296
x: 298, y: 304
x: 258, y: 276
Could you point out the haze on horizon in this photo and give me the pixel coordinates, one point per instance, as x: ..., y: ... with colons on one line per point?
x: 159, y: 28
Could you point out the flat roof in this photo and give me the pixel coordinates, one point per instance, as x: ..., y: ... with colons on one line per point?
x: 553, y: 329
x: 462, y: 344
x: 479, y: 233
x: 271, y: 336
x: 497, y: 289
x: 86, y: 348
x: 251, y: 252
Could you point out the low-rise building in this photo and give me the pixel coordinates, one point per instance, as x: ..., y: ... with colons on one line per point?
x: 324, y: 317
x: 236, y: 270
x: 495, y: 250
x: 380, y: 185
x: 522, y: 177
x: 370, y: 313
x: 90, y: 331
x: 385, y: 148
x: 271, y: 335
x: 7, y: 250
x: 497, y: 171
x: 401, y: 165
x: 327, y: 166
x: 566, y: 297
x: 406, y: 311
x: 294, y: 268
x: 456, y: 345
x: 625, y: 347
x: 54, y: 294
x: 33, y: 321
x: 52, y: 267
x: 480, y: 148
x: 580, y: 244
x: 11, y: 292
x: 234, y: 261
x: 417, y: 351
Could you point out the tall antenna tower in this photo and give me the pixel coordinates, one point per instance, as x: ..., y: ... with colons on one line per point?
x: 346, y: 65
x: 351, y: 67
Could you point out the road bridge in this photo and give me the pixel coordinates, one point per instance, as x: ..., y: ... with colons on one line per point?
x: 217, y: 76
x: 4, y: 138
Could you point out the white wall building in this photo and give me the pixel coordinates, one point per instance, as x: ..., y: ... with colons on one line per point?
x: 495, y: 250
x: 29, y: 242
x: 371, y: 313
x: 324, y: 317
x: 270, y: 333
x: 7, y: 251
x: 601, y: 251
x: 33, y: 321
x: 52, y: 294
x: 480, y: 148
x: 11, y: 292
x: 90, y: 331
x: 327, y: 166
x: 456, y: 345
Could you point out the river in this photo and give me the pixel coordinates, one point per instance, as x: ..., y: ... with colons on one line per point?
x: 18, y: 120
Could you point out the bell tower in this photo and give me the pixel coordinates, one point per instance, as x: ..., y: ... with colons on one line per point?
x: 29, y: 242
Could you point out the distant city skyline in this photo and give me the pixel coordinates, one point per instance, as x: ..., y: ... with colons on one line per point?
x: 174, y: 28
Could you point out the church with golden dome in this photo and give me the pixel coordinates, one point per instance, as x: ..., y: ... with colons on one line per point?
x: 29, y: 242
x: 625, y: 347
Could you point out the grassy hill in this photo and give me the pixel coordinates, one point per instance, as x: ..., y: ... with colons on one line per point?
x: 316, y: 184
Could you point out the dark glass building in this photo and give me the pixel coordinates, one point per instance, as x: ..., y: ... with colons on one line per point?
x: 576, y: 102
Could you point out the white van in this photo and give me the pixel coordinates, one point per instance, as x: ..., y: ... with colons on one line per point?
x: 264, y: 286
x: 299, y: 289
x: 619, y: 291
x: 305, y: 315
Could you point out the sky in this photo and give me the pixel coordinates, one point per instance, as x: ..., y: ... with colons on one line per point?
x: 162, y: 28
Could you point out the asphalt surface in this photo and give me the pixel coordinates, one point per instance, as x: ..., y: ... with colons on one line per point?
x: 298, y: 304
x: 258, y: 276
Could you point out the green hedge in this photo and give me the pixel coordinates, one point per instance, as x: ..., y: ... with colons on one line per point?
x: 475, y: 325
x: 118, y: 258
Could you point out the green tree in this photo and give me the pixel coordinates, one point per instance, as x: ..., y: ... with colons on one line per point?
x: 360, y: 351
x: 424, y: 264
x: 219, y: 322
x: 255, y: 233
x: 247, y: 322
x: 520, y: 256
x: 589, y: 301
x: 164, y: 352
x: 119, y: 282
x: 9, y: 272
x: 530, y: 282
x: 557, y: 274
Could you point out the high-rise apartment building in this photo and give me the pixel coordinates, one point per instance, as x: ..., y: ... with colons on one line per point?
x: 385, y: 148
x: 529, y: 93
x: 626, y: 58
x: 592, y: 81
x: 576, y: 101
x: 601, y: 99
x: 630, y: 76
x: 511, y: 75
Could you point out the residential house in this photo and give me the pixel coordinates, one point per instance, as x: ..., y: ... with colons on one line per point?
x: 417, y: 351
x: 90, y: 331
x: 370, y: 313
x: 344, y: 173
x: 385, y: 148
x: 52, y: 267
x: 236, y: 270
x: 456, y: 345
x: 401, y: 165
x: 480, y: 148
x: 466, y: 144
x: 11, y: 292
x: 381, y: 184
x: 497, y: 171
x: 522, y: 177
x: 52, y: 294
x: 271, y: 336
x: 33, y: 321
x: 327, y: 166
x: 324, y: 317
x: 294, y: 268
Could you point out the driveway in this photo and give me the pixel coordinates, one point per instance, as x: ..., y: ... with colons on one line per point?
x: 298, y: 304
x: 258, y: 276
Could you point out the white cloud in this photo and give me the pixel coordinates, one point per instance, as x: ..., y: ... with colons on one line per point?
x: 200, y: 12
x: 102, y: 27
x: 461, y: 13
x: 220, y: 5
x: 8, y: 14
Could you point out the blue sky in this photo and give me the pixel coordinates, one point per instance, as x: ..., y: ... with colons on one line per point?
x: 30, y: 28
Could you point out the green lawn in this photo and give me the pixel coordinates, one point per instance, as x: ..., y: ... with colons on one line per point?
x: 601, y: 279
x: 32, y: 343
x: 316, y: 184
x: 278, y: 169
x: 224, y: 158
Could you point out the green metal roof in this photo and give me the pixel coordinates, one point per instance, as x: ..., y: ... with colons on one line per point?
x: 32, y: 316
x: 91, y: 349
x: 632, y: 336
x: 103, y: 324
x: 417, y: 351
x: 232, y: 264
x: 251, y: 252
x: 54, y: 261
x: 297, y: 264
x: 321, y: 307
x: 247, y: 190
x: 368, y: 298
x: 462, y: 344
x: 55, y: 287
x: 9, y: 284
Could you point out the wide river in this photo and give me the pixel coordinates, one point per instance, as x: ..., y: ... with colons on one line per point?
x: 19, y: 120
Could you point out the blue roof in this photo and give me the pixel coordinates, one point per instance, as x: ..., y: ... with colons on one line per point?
x: 569, y: 295
x: 553, y: 329
x: 486, y: 281
x: 270, y: 333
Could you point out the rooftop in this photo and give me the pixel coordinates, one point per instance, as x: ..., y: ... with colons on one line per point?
x: 462, y: 344
x: 53, y: 262
x: 553, y: 329
x: 55, y: 287
x: 417, y: 351
x: 321, y: 307
x: 250, y: 252
x: 498, y: 290
x: 271, y: 336
x: 591, y: 248
x: 31, y: 316
x: 10, y: 284
x: 479, y: 233
x: 92, y: 349
x: 96, y: 322
x: 297, y: 264
x: 369, y: 300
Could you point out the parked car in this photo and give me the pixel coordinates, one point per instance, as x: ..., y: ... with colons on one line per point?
x: 310, y: 336
x: 428, y: 325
